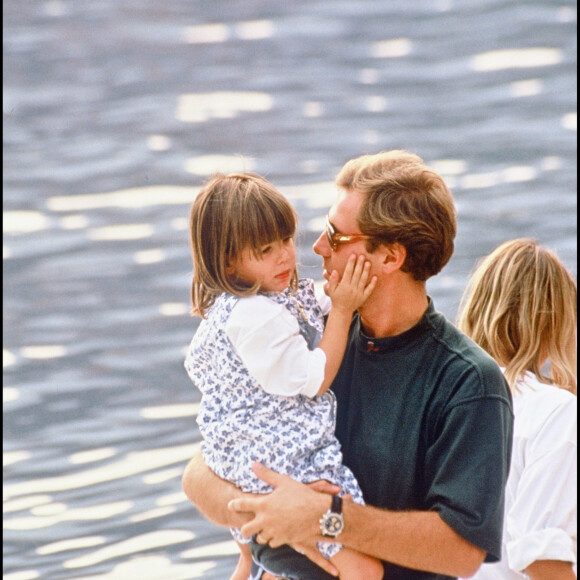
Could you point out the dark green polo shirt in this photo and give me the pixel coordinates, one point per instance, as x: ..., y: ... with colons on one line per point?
x: 425, y: 422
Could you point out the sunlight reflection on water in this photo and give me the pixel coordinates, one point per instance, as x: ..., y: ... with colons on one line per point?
x: 108, y: 138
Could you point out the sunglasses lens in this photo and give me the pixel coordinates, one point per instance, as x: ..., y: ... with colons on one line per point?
x: 329, y: 234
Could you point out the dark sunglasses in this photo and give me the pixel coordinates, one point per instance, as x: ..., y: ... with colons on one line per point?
x: 335, y: 239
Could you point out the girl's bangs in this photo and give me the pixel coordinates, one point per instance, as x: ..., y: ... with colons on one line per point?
x: 273, y: 221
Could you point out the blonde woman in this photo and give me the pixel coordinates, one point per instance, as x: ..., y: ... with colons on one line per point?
x: 520, y: 306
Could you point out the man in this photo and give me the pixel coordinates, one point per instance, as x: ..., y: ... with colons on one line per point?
x: 424, y: 415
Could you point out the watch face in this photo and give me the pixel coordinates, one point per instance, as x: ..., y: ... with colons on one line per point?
x: 333, y: 524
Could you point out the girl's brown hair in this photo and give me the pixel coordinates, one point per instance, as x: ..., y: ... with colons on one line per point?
x: 231, y: 213
x: 520, y: 306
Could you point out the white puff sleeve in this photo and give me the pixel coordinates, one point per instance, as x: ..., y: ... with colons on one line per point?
x: 267, y: 338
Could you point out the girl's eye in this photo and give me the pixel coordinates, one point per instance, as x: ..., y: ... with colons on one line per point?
x: 288, y: 239
x: 266, y: 249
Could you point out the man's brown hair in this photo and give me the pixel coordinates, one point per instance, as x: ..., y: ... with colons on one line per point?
x: 405, y: 202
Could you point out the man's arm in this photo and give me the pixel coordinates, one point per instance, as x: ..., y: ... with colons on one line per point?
x: 420, y: 540
x: 413, y: 539
x: 210, y: 494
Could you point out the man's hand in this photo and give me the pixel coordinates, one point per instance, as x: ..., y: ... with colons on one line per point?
x: 288, y: 515
x: 324, y: 486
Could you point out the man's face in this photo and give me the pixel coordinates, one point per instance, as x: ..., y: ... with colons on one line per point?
x: 342, y: 216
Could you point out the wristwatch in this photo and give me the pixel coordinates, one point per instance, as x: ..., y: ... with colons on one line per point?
x: 332, y: 522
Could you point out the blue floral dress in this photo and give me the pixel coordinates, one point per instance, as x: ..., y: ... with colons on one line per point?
x: 241, y: 423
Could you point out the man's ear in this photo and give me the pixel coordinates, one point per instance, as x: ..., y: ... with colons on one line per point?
x: 394, y: 256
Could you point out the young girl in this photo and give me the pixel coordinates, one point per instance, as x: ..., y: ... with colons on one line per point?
x: 261, y: 356
x: 522, y: 309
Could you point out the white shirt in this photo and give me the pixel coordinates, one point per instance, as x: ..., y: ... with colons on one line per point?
x: 267, y: 338
x: 541, y: 496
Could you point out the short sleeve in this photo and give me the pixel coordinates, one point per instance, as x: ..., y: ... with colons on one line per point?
x: 267, y: 338
x: 468, y: 465
x: 542, y: 522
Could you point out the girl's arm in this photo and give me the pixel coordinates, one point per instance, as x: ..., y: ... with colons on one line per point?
x: 347, y: 295
x: 267, y: 338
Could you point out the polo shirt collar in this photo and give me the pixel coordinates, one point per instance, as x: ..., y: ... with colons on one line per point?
x: 369, y: 344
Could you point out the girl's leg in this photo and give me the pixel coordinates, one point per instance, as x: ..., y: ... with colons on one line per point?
x: 356, y: 566
x: 242, y: 571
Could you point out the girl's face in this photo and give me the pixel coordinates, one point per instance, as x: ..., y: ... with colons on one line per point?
x: 272, y: 269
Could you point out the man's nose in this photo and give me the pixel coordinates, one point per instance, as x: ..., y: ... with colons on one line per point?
x: 321, y: 245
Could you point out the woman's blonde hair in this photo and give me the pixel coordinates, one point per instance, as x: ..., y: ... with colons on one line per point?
x: 520, y: 306
x: 230, y: 214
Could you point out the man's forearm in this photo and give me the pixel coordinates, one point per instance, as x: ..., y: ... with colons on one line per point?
x: 211, y: 494
x: 420, y: 540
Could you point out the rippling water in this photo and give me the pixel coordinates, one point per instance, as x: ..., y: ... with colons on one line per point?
x: 115, y: 111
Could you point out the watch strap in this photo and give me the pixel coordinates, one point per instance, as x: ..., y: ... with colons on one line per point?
x: 336, y: 504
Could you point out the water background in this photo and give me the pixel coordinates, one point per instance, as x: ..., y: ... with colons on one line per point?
x: 115, y: 111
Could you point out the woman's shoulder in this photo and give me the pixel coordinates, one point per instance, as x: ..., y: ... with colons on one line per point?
x: 530, y: 388
x: 538, y: 405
